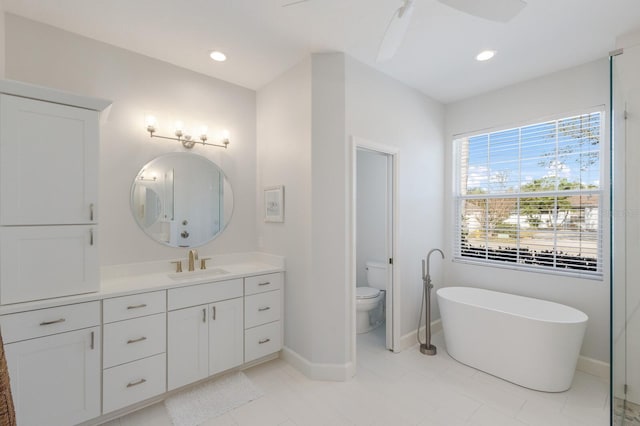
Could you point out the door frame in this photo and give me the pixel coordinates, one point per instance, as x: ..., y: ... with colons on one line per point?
x: 393, y: 153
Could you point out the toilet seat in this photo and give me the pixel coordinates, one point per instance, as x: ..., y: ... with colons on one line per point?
x: 366, y: 292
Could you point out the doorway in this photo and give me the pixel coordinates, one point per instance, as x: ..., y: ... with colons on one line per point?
x: 374, y: 233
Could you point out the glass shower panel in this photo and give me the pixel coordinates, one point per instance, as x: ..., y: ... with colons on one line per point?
x: 625, y: 333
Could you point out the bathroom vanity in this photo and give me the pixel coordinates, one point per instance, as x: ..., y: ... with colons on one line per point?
x: 85, y: 344
x: 77, y: 358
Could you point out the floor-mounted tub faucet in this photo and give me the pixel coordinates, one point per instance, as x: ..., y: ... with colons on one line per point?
x: 427, y: 348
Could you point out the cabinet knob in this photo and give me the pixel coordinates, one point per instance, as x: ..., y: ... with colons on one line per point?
x: 91, y: 212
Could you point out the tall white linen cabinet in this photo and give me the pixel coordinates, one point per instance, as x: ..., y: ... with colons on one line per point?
x: 49, y: 148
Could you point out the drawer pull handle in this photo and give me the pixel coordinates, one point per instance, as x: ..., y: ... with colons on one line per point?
x: 204, y: 315
x: 139, y: 339
x: 142, y: 305
x: 92, y: 340
x: 91, y: 212
x: 90, y: 237
x: 213, y: 315
x: 264, y: 341
x: 265, y: 283
x: 53, y: 322
x: 266, y: 308
x: 139, y: 382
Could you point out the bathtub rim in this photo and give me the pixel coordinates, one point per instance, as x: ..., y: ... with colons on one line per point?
x: 583, y: 318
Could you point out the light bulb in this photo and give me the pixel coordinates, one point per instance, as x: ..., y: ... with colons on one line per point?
x: 151, y: 123
x: 225, y: 135
x: 179, y: 126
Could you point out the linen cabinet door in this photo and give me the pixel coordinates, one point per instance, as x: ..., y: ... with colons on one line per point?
x: 55, y: 380
x: 39, y: 262
x: 48, y: 163
x: 187, y: 346
x: 226, y: 335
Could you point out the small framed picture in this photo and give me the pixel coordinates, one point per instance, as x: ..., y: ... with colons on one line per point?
x: 274, y: 204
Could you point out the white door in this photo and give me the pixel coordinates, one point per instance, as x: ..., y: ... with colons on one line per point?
x: 39, y: 262
x: 226, y: 335
x: 48, y: 163
x: 187, y: 346
x: 55, y: 380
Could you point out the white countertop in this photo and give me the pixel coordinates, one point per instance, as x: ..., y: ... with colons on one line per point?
x: 122, y: 280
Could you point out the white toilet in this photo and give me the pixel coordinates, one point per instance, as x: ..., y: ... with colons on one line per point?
x: 370, y: 298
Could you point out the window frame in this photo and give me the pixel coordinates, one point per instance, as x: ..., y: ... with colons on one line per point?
x: 602, y: 193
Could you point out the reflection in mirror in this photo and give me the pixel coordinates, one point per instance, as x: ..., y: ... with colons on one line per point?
x: 181, y: 200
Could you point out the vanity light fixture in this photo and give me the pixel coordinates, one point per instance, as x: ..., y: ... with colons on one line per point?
x: 186, y: 139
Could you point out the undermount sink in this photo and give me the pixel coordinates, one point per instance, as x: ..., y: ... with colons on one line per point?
x: 197, y: 274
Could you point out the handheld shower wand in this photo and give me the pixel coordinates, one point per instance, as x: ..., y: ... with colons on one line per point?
x: 427, y: 348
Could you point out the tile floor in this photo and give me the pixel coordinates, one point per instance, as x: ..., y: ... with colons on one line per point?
x: 402, y: 389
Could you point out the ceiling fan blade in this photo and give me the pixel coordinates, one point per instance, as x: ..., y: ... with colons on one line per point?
x: 287, y: 3
x: 395, y: 32
x: 493, y: 10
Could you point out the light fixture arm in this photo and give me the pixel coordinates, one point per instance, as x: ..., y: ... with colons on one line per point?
x: 187, y: 140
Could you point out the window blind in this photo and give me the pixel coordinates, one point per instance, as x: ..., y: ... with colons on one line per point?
x: 530, y: 197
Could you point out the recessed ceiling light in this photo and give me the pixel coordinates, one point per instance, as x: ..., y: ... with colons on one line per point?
x: 218, y: 56
x: 485, y: 55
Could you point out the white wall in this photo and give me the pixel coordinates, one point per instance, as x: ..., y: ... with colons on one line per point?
x: 284, y: 158
x: 2, y: 40
x: 139, y: 85
x: 563, y: 92
x: 384, y: 111
x: 371, y: 211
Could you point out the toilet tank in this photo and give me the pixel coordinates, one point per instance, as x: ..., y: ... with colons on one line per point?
x: 377, y: 275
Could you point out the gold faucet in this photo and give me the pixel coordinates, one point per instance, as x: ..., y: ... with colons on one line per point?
x: 193, y: 256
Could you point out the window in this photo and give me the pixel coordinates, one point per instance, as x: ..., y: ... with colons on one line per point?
x: 530, y: 197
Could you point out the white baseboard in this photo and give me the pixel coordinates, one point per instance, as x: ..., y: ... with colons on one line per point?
x: 594, y: 367
x: 409, y: 339
x: 318, y: 371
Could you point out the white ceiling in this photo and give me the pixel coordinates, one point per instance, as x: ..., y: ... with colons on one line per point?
x: 263, y: 39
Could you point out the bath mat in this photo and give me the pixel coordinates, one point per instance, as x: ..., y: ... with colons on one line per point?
x: 195, y: 406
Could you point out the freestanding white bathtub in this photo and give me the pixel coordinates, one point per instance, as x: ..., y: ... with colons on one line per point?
x: 531, y: 342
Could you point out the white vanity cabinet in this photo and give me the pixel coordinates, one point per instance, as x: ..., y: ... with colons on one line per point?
x: 49, y: 148
x: 207, y: 338
x: 134, y: 352
x: 53, y: 357
x: 263, y: 315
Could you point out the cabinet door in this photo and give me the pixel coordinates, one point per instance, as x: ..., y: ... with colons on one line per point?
x: 39, y: 262
x: 226, y: 335
x: 48, y: 162
x: 55, y: 380
x: 187, y: 346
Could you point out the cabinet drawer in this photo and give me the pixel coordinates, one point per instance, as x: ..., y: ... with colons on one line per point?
x: 262, y: 340
x: 261, y: 308
x: 134, y: 306
x: 262, y: 283
x: 44, y: 322
x: 134, y: 339
x: 185, y: 297
x: 133, y: 382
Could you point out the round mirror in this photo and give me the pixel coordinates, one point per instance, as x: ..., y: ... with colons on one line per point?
x: 181, y: 200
